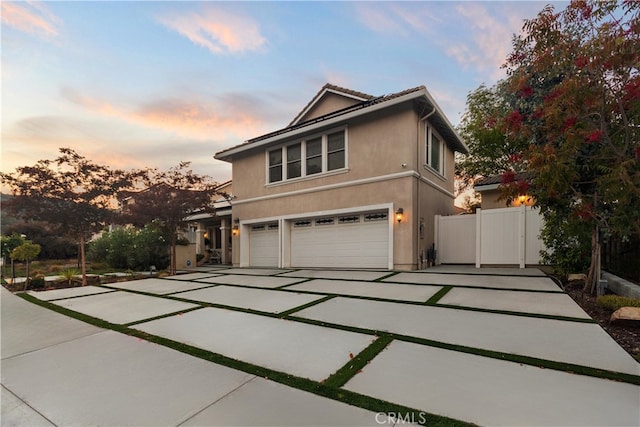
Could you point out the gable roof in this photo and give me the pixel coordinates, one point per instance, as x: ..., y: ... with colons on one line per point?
x: 418, y: 95
x: 329, y: 88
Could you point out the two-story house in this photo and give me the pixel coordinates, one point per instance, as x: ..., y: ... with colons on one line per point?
x: 354, y: 181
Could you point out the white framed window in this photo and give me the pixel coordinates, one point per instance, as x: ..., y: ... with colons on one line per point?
x: 434, y: 150
x: 316, y: 155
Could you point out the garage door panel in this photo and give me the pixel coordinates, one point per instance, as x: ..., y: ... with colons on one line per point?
x: 355, y: 245
x: 263, y: 247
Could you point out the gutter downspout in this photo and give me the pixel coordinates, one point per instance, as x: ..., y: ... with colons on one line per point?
x: 419, y: 171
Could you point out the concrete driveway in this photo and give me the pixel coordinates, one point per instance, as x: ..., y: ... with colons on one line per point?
x: 228, y: 346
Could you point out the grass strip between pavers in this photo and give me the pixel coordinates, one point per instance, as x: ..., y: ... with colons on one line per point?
x: 305, y: 384
x: 355, y: 365
x: 526, y: 360
x: 307, y: 305
x: 541, y: 363
x: 436, y: 297
x: 162, y: 316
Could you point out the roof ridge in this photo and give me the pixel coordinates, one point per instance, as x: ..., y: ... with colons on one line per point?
x: 332, y: 87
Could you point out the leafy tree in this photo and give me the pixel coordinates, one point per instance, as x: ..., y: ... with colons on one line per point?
x: 572, y: 102
x: 70, y: 193
x: 54, y: 245
x: 491, y: 152
x: 26, y: 252
x: 168, y: 199
x: 576, y: 74
x: 7, y: 245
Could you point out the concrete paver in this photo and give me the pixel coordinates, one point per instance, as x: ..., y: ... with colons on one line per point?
x: 488, y: 391
x: 68, y: 292
x: 255, y: 271
x: 123, y: 307
x: 158, y: 286
x: 114, y: 379
x: 17, y: 413
x: 555, y: 304
x: 300, y: 349
x: 274, y: 404
x: 255, y: 299
x: 394, y: 291
x: 27, y: 327
x: 257, y: 281
x: 192, y: 276
x: 475, y: 280
x: 563, y: 341
x: 337, y: 274
x: 61, y: 370
x: 484, y: 271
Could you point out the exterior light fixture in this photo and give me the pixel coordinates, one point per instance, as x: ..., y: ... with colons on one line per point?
x: 399, y: 214
x: 522, y: 198
x: 236, y: 227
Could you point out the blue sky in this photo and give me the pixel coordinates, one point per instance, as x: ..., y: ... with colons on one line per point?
x: 137, y: 84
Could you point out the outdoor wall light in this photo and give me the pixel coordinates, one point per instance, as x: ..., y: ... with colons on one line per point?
x: 236, y: 227
x: 399, y: 214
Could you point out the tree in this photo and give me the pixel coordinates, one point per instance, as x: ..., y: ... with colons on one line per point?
x: 575, y: 75
x: 491, y: 152
x: 168, y: 199
x: 26, y: 252
x: 71, y: 193
x: 569, y: 114
x: 7, y: 245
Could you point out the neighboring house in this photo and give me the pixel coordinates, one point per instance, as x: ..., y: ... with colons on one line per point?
x: 489, y: 189
x: 212, y: 233
x: 354, y: 181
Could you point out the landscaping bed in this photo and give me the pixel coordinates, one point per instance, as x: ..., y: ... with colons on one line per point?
x: 628, y: 337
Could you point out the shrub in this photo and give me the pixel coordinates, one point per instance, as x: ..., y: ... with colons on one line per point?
x: 131, y: 249
x: 37, y: 282
x: 614, y: 302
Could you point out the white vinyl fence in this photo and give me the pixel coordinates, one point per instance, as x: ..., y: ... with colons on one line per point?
x: 494, y: 236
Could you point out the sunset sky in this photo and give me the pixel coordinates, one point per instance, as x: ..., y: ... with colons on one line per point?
x: 136, y: 84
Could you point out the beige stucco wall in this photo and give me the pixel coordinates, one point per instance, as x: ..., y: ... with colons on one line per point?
x: 490, y: 200
x: 389, y: 143
x: 330, y: 102
x: 185, y: 253
x: 376, y: 146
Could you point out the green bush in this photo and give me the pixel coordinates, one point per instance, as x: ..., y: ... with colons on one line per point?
x: 614, y: 302
x: 37, y: 282
x: 131, y: 249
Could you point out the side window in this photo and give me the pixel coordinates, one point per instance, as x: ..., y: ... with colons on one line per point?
x: 434, y: 149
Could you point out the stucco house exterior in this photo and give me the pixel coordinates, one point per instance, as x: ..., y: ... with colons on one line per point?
x: 491, y: 194
x: 354, y: 181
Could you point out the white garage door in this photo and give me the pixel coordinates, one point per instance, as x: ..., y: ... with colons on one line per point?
x: 358, y: 240
x: 263, y: 245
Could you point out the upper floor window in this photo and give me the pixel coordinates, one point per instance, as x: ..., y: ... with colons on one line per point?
x: 434, y: 149
x: 315, y: 155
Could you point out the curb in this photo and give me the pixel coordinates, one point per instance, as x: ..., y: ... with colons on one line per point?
x: 620, y: 286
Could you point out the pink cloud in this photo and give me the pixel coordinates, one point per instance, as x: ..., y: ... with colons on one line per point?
x: 217, y: 30
x: 30, y: 17
x: 227, y: 117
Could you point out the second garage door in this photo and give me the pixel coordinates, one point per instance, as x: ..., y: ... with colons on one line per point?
x: 263, y: 245
x: 359, y: 240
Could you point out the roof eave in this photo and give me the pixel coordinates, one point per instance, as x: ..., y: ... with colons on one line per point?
x: 457, y: 142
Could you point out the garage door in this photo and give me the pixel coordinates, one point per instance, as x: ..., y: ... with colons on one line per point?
x: 359, y: 240
x: 263, y: 245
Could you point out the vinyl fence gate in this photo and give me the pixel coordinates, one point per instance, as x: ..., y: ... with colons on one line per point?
x: 504, y: 236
